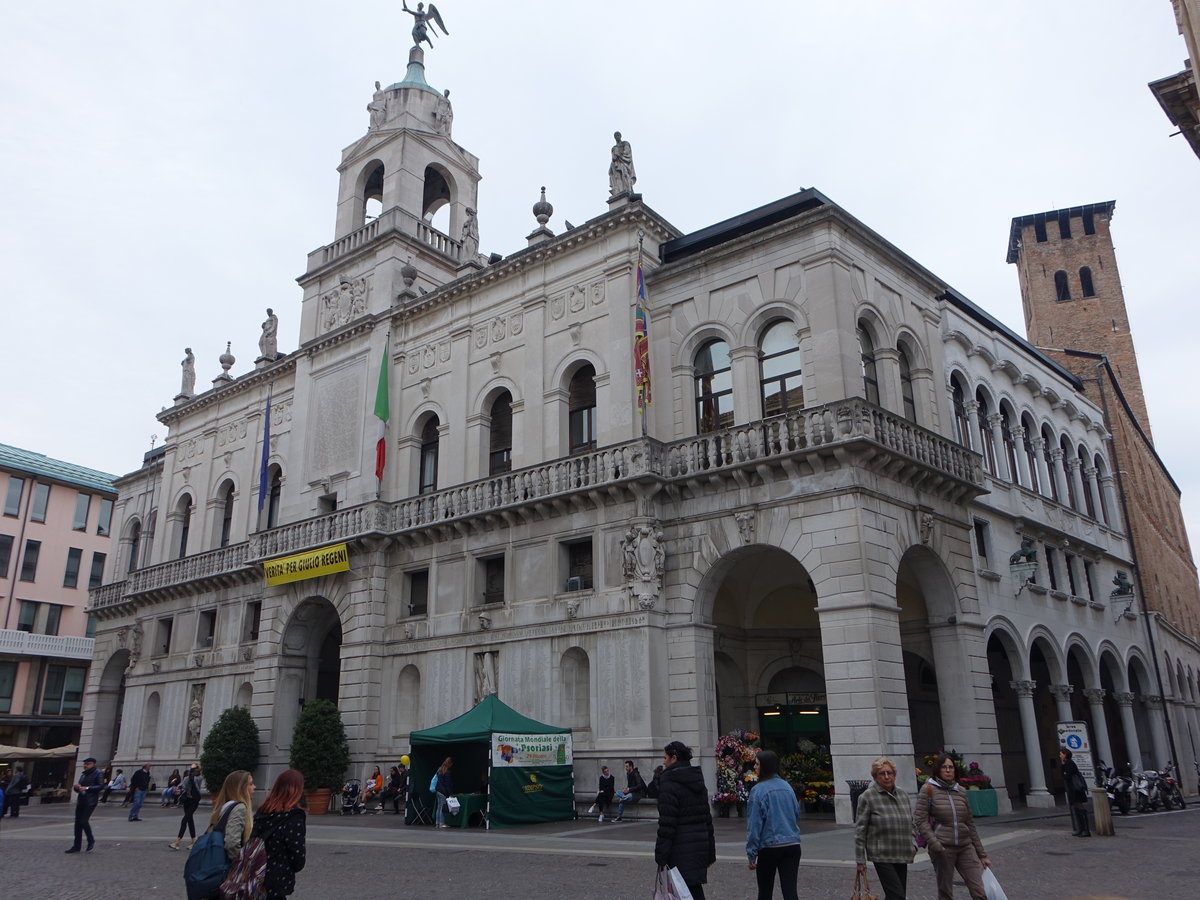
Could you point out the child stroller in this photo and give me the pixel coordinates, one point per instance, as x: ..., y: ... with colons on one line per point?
x: 352, y: 798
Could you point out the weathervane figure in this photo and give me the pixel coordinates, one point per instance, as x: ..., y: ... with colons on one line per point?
x: 421, y: 19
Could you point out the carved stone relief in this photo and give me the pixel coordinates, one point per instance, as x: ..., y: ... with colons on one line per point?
x: 195, y: 716
x: 575, y: 298
x: 428, y: 356
x: 344, y: 303
x: 644, y: 553
x: 486, y: 674
x: 745, y: 524
x: 231, y: 433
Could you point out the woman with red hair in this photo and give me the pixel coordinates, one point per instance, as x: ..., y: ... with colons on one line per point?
x: 280, y: 824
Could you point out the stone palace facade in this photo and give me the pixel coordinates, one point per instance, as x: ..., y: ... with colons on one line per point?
x: 808, y: 532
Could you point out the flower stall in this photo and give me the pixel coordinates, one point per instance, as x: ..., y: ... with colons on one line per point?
x: 735, y: 771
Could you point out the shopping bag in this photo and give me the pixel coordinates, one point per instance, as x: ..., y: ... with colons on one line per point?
x: 992, y: 887
x: 670, y: 886
x: 453, y: 805
x: 862, y: 888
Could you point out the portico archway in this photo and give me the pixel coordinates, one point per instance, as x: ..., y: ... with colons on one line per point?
x: 110, y: 702
x: 309, y: 664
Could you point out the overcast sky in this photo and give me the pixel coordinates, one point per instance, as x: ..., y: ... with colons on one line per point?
x: 165, y: 168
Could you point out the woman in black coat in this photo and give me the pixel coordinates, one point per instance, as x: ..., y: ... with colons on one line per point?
x: 685, y: 828
x: 1077, y: 793
x: 281, y: 825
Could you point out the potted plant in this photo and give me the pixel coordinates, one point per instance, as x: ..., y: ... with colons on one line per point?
x: 320, y: 753
x: 231, y: 744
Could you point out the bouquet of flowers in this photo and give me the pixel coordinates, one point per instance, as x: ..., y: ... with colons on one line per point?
x: 735, y: 766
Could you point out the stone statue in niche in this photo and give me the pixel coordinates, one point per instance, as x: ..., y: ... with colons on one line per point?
x: 645, y: 560
x: 621, y: 177
x: 135, y: 643
x: 268, y: 342
x: 187, y: 386
x: 470, y: 236
x: 486, y: 674
x: 195, y: 715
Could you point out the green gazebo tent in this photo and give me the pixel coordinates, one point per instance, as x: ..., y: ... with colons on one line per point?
x: 522, y: 767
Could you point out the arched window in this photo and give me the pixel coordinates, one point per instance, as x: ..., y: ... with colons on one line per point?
x: 135, y: 545
x: 183, y: 525
x: 1072, y: 501
x: 714, y: 387
x: 1030, y: 430
x: 500, y: 436
x: 274, y: 494
x: 372, y: 195
x: 866, y: 351
x: 408, y: 700
x: 574, y: 678
x: 226, y: 514
x: 985, y: 432
x: 962, y: 424
x: 1061, y: 288
x: 1048, y: 446
x: 430, y: 438
x: 906, y: 384
x: 1010, y: 448
x: 435, y: 204
x: 1088, y: 503
x: 581, y: 411
x: 1085, y: 282
x: 779, y: 370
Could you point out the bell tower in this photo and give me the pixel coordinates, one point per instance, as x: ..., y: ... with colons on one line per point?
x: 392, y: 182
x: 1071, y: 293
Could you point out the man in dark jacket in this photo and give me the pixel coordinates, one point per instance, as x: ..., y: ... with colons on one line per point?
x: 635, y: 789
x: 87, y: 794
x: 685, y: 829
x: 139, y: 784
x: 18, y: 788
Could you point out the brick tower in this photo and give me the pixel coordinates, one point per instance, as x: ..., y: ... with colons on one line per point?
x: 1071, y: 292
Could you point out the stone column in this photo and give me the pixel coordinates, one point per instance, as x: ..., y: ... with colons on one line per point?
x: 971, y: 408
x: 1002, y: 468
x: 1093, y: 489
x: 1109, y: 493
x: 1062, y: 701
x: 1132, y: 749
x: 1158, y: 732
x: 1018, y: 439
x: 1073, y: 472
x: 1039, y: 457
x: 1059, y: 474
x: 1095, y: 699
x: 1038, y: 795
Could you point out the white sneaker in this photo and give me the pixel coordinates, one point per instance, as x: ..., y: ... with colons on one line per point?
x: 592, y: 810
x: 601, y: 817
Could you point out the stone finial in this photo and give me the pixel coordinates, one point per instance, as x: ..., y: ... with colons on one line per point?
x: 227, y: 360
x: 542, y: 210
x: 408, y: 273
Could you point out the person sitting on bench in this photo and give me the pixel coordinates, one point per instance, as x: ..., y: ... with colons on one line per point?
x: 635, y: 789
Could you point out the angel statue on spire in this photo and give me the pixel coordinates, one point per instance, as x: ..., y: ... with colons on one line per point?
x: 421, y: 19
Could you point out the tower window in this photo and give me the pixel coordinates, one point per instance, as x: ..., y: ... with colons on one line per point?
x: 1039, y: 230
x: 1064, y: 225
x: 1062, y: 289
x: 1085, y: 282
x: 1089, y: 222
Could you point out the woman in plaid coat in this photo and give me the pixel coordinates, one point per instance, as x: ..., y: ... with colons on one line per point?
x: 883, y: 831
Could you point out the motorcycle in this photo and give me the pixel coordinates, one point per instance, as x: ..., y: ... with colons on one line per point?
x: 1168, y: 788
x: 1118, y: 787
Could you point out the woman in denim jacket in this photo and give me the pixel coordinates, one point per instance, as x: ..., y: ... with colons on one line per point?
x: 773, y: 829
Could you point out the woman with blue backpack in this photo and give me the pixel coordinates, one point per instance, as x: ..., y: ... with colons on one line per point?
x: 229, y: 829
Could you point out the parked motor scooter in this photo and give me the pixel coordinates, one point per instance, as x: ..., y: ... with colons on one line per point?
x: 1168, y: 788
x: 1119, y: 789
x: 1147, y: 791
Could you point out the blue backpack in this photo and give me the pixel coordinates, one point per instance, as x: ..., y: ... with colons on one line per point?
x: 207, y: 863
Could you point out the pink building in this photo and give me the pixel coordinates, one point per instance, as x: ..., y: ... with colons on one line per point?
x: 54, y: 543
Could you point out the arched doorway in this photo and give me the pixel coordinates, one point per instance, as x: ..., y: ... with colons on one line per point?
x: 110, y: 703
x: 309, y: 664
x: 768, y: 661
x: 1004, y: 656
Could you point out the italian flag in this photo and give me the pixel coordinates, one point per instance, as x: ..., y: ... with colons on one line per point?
x: 382, y: 407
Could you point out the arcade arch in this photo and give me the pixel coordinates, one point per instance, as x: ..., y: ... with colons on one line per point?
x: 309, y: 663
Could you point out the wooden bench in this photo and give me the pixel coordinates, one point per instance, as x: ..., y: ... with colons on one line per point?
x: 645, y: 809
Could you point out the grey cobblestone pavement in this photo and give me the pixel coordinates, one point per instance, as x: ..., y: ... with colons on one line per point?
x: 371, y: 856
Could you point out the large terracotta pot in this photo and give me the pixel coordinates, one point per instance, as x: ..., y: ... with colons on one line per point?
x: 318, y: 801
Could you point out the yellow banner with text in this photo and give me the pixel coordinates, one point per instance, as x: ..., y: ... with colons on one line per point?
x: 310, y: 564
